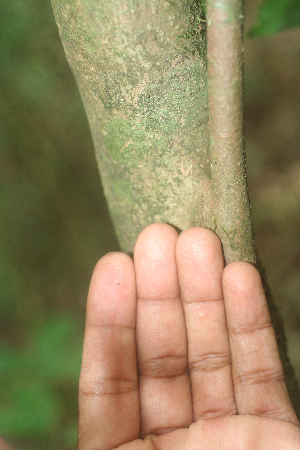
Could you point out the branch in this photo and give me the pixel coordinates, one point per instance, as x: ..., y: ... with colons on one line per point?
x: 225, y: 91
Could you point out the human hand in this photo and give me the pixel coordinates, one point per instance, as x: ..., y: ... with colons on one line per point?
x: 179, y: 353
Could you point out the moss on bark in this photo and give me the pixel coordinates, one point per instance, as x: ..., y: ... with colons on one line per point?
x: 141, y: 70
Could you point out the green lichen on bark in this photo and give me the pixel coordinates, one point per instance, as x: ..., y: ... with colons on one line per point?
x: 141, y: 70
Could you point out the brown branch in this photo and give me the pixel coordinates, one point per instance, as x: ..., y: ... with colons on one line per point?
x: 225, y: 91
x: 228, y: 168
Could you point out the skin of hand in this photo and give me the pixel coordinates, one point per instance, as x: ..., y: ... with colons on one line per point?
x: 179, y: 352
x: 3, y: 445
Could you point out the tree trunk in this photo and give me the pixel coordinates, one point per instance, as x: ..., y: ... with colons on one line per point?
x: 141, y: 67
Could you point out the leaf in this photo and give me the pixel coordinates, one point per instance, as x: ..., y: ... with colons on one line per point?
x: 275, y: 16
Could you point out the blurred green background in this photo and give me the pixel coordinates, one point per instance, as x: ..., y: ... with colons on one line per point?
x: 54, y: 223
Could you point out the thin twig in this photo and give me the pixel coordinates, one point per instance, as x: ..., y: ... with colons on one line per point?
x: 225, y: 91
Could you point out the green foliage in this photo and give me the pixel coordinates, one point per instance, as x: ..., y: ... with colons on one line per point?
x: 33, y: 379
x: 275, y: 16
x: 204, y: 6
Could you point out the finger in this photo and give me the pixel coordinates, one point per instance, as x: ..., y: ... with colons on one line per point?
x: 257, y: 370
x: 200, y: 265
x: 3, y: 444
x: 165, y: 397
x: 108, y: 387
x: 227, y: 433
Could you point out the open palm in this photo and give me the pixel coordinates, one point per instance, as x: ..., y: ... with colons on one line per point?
x: 179, y: 353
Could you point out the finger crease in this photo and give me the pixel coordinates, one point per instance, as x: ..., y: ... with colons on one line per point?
x: 117, y: 386
x: 214, y: 413
x: 260, y: 376
x: 250, y: 329
x: 110, y: 326
x: 164, y: 367
x: 163, y: 297
x: 209, y: 362
x: 204, y: 300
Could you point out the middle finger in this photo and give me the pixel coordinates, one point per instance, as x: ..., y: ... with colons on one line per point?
x: 165, y: 396
x: 200, y: 265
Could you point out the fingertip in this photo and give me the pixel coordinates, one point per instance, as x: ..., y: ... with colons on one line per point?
x: 154, y: 238
x: 244, y: 296
x: 241, y: 277
x: 159, y: 229
x: 199, y: 241
x: 200, y: 263
x: 114, y: 261
x: 112, y: 288
x: 112, y: 267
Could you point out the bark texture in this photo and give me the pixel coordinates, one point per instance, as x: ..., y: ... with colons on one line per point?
x: 232, y: 214
x: 226, y: 128
x: 141, y: 69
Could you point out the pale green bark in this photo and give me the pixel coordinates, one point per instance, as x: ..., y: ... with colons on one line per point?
x: 141, y: 68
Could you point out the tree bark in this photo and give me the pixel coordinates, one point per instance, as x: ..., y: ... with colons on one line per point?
x: 226, y: 129
x: 141, y: 69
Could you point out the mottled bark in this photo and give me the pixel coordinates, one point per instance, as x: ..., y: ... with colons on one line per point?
x: 141, y: 69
